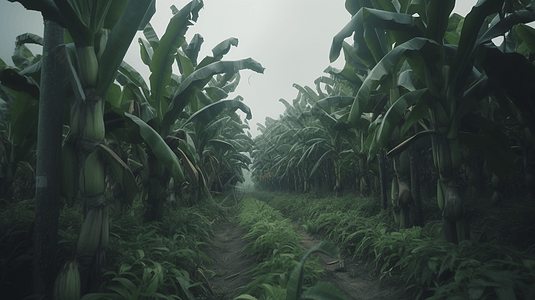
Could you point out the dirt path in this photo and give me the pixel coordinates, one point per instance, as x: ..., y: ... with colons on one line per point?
x: 229, y: 262
x: 230, y: 265
x: 352, y: 278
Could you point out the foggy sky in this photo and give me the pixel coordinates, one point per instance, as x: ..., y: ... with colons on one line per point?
x: 291, y: 39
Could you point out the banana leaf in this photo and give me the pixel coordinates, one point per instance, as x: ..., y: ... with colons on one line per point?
x: 193, y: 48
x: 375, y: 19
x: 151, y: 37
x: 121, y: 173
x: 163, y: 58
x: 384, y: 68
x: 438, y: 14
x: 326, y: 155
x: 223, y: 48
x: 294, y: 287
x: 160, y: 149
x: 394, y: 115
x: 200, y: 78
x: 469, y: 35
x: 210, y: 112
x: 119, y: 40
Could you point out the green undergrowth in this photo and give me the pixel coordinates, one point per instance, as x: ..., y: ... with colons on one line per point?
x: 278, y: 272
x: 157, y: 260
x: 431, y: 268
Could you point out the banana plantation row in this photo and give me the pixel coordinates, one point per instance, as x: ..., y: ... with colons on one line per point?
x: 120, y: 138
x: 425, y: 104
x: 424, y: 95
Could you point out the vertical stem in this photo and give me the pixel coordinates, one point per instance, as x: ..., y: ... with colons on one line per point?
x: 48, y: 176
x: 415, y: 183
x: 383, y: 179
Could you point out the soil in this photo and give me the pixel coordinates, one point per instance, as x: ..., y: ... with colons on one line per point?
x: 352, y: 277
x: 230, y: 265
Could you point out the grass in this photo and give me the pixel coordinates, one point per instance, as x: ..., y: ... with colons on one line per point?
x: 431, y: 268
x: 163, y: 260
x: 280, y: 258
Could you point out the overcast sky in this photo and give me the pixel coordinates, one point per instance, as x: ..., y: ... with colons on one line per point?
x: 290, y: 38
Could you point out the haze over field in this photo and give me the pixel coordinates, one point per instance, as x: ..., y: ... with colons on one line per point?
x: 291, y: 39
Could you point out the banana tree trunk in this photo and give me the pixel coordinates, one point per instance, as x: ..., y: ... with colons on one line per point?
x: 48, y: 169
x: 404, y: 199
x: 417, y: 216
x: 383, y: 179
x: 337, y: 175
x: 154, y: 206
x: 446, y: 154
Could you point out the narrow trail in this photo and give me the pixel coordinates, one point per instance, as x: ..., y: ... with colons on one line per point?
x: 351, y: 277
x: 230, y: 265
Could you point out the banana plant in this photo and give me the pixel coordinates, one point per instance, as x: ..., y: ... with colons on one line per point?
x: 216, y: 131
x: 101, y: 34
x: 444, y: 63
x: 169, y: 99
x: 19, y: 93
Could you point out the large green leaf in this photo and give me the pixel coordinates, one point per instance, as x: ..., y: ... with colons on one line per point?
x: 210, y: 112
x: 338, y: 101
x: 294, y: 287
x: 223, y: 48
x: 505, y: 24
x: 79, y: 31
x: 160, y: 149
x: 438, y: 14
x: 135, y: 78
x: 527, y: 34
x: 395, y: 113
x: 164, y: 55
x: 193, y: 48
x: 151, y: 37
x: 200, y: 78
x: 469, y: 34
x: 121, y: 173
x: 326, y: 155
x: 119, y: 41
x: 384, y: 68
x: 222, y: 145
x: 375, y: 19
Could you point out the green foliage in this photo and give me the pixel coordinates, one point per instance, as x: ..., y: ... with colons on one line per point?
x: 162, y: 260
x: 431, y: 267
x: 276, y: 247
x: 15, y: 240
x: 295, y: 289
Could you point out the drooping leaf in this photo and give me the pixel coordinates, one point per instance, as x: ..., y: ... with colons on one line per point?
x: 223, y: 48
x: 376, y: 19
x: 193, y: 48
x: 294, y: 286
x: 151, y: 36
x: 121, y: 173
x: 160, y: 149
x: 395, y: 114
x: 406, y: 143
x: 382, y: 69
x: 135, y: 77
x: 210, y: 112
x: 200, y: 78
x: 527, y: 34
x: 119, y: 41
